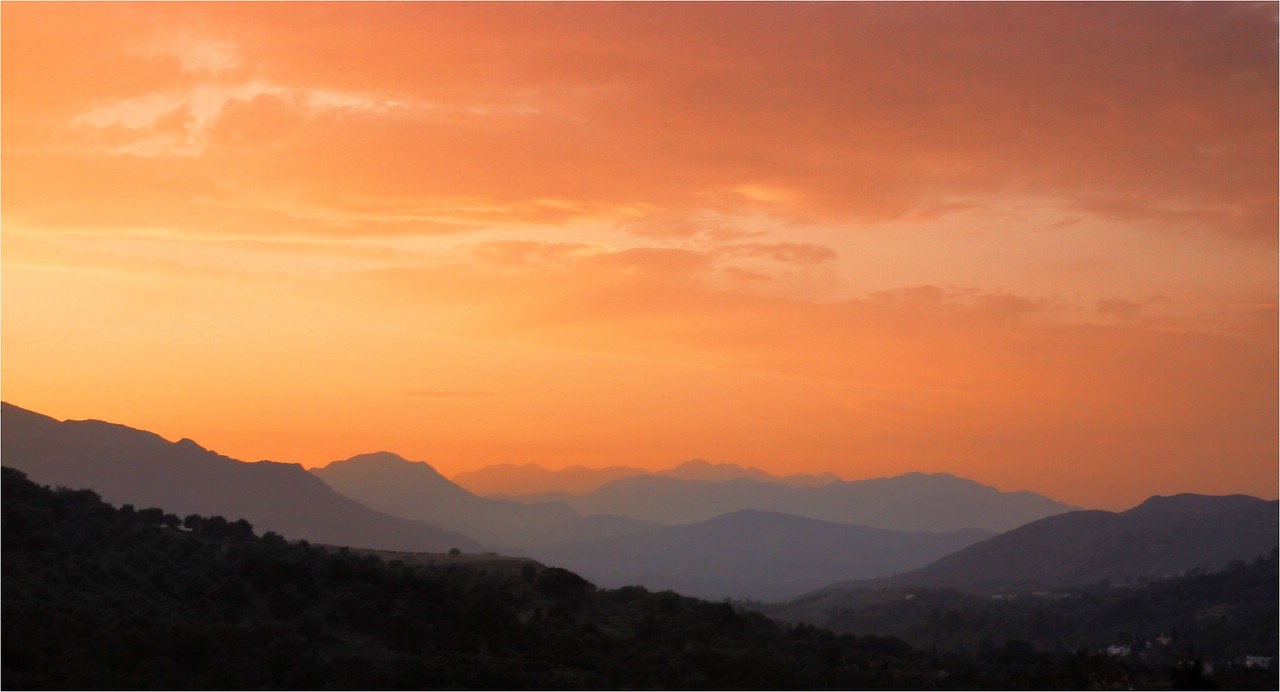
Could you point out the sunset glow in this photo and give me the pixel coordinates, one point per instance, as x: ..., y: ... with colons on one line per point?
x: 1030, y: 244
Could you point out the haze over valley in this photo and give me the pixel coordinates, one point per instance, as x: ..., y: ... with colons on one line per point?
x: 736, y: 538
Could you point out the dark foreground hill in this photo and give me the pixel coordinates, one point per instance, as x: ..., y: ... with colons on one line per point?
x: 96, y: 597
x: 1163, y: 536
x: 1226, y: 617
x: 132, y: 466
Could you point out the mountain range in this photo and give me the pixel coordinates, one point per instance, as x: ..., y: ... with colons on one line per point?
x: 735, y: 537
x: 532, y: 481
x: 909, y: 502
x: 703, y: 470
x: 749, y: 554
x: 128, y: 466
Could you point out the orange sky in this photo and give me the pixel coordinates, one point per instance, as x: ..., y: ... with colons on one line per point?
x: 1030, y: 244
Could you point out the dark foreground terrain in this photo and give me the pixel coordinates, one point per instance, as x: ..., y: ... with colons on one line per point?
x: 97, y: 597
x: 1220, y: 621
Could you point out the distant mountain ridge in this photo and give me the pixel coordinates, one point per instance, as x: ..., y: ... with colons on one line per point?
x: 702, y: 470
x: 128, y: 466
x: 414, y: 490
x: 909, y: 502
x: 514, y: 481
x: 746, y: 554
x: 1162, y: 536
x: 532, y: 479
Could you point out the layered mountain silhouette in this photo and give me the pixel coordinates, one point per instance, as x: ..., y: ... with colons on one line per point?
x: 1163, y: 536
x: 414, y: 490
x: 128, y: 466
x: 751, y: 554
x: 910, y: 502
x: 715, y: 538
x: 531, y: 482
x: 745, y: 554
x: 702, y: 470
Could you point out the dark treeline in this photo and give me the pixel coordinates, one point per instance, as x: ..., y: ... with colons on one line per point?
x: 1220, y: 617
x: 96, y: 597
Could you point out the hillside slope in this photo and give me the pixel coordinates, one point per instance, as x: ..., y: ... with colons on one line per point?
x: 128, y: 466
x: 1162, y: 536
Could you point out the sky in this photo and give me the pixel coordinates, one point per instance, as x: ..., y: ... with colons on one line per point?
x: 1031, y: 244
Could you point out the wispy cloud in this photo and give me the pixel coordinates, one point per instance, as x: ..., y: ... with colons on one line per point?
x: 873, y: 113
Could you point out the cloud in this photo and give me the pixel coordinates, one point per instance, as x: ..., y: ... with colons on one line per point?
x: 872, y: 113
x: 785, y: 253
x: 526, y: 253
x: 955, y: 303
x: 653, y: 262
x: 195, y: 53
x: 701, y: 226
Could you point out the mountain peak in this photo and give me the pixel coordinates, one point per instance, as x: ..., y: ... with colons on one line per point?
x: 389, y: 466
x: 359, y: 475
x: 939, y: 475
x: 703, y: 470
x: 698, y: 464
x: 190, y: 444
x: 383, y: 457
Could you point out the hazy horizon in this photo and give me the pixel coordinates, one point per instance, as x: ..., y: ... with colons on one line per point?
x: 1034, y: 245
x: 669, y: 471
